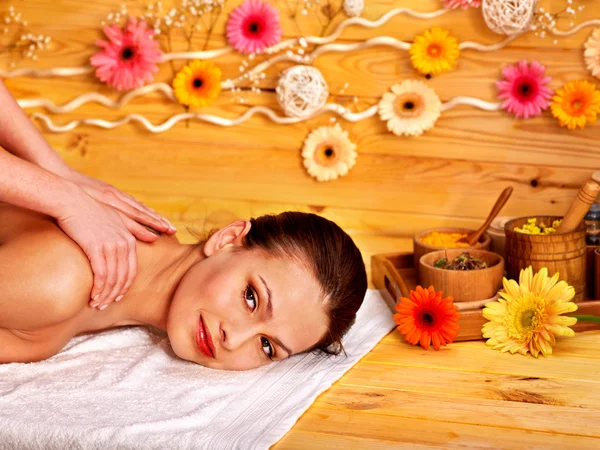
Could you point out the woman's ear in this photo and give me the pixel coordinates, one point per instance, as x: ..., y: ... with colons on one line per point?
x: 231, y: 235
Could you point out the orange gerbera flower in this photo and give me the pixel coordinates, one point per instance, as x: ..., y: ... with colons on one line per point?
x: 576, y: 104
x: 427, y: 318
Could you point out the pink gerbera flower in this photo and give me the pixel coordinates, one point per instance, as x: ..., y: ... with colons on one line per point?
x: 253, y: 26
x: 129, y: 58
x: 524, y: 89
x: 464, y: 4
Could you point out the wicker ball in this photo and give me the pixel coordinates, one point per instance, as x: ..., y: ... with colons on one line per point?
x: 354, y: 8
x: 509, y: 16
x: 301, y: 91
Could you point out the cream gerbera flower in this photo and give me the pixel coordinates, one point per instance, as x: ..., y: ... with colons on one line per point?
x: 328, y: 153
x: 410, y: 109
x: 592, y: 53
x: 528, y: 316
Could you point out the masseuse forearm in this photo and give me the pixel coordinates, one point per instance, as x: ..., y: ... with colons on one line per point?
x: 28, y: 186
x: 19, y: 136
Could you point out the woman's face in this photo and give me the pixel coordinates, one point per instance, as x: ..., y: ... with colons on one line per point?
x: 240, y: 309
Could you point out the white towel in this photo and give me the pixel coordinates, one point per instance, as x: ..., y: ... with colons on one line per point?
x: 125, y: 389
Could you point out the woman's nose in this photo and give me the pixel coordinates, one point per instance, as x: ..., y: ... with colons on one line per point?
x: 236, y: 335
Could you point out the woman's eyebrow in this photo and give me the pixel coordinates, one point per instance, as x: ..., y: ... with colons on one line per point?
x: 269, y: 314
x: 269, y: 304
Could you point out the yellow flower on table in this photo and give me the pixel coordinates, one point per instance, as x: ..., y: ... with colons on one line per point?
x: 576, y: 104
x: 434, y: 52
x: 528, y: 316
x: 197, y: 84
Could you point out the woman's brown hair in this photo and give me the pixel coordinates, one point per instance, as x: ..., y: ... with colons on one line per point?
x: 330, y: 254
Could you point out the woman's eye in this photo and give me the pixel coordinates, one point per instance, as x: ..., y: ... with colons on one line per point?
x: 266, y: 347
x: 250, y: 298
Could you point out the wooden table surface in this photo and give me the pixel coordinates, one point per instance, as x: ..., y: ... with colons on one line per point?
x: 463, y: 396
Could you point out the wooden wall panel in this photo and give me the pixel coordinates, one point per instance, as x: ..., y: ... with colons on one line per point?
x: 203, y: 175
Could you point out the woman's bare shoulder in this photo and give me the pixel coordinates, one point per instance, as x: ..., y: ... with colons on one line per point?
x: 45, y: 278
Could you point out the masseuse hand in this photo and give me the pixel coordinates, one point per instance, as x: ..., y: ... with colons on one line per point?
x: 100, y: 218
x: 122, y: 202
x: 108, y: 238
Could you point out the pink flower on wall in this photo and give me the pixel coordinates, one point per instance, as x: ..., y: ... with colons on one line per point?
x: 464, y: 4
x: 129, y: 58
x: 253, y: 26
x: 524, y: 89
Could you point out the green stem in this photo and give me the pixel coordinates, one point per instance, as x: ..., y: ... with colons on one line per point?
x: 594, y: 319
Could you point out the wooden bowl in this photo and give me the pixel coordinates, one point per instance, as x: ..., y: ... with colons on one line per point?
x: 463, y: 285
x: 565, y: 253
x: 420, y: 248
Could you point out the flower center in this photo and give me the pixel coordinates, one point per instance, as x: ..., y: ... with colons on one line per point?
x: 409, y: 105
x: 525, y: 318
x: 327, y: 155
x: 254, y: 27
x: 127, y: 54
x: 198, y: 83
x: 427, y: 318
x: 525, y: 88
x: 577, y: 105
x: 434, y: 50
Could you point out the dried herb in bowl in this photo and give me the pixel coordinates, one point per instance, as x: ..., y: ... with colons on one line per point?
x: 464, y: 261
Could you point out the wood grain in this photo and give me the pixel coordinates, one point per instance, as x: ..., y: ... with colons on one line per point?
x: 406, y: 432
x: 203, y: 176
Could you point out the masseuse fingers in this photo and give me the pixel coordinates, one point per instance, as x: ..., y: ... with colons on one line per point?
x: 136, y: 204
x: 98, y: 264
x: 138, y: 231
x: 142, y: 214
x: 143, y: 217
x: 122, y: 273
x: 112, y: 264
x: 127, y: 198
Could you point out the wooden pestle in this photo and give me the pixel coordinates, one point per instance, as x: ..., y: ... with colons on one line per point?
x: 581, y: 205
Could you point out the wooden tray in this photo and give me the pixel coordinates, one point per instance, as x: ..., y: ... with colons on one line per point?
x: 395, y: 276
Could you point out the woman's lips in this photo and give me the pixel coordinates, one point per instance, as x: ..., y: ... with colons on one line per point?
x: 203, y: 339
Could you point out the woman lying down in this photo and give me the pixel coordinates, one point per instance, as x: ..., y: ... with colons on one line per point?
x: 254, y: 292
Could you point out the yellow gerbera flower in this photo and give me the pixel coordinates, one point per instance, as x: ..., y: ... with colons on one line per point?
x: 197, y: 84
x: 434, y: 52
x: 528, y: 316
x: 576, y: 104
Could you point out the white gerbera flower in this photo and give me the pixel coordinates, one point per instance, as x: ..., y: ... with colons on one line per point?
x: 410, y: 109
x: 592, y: 53
x: 328, y: 153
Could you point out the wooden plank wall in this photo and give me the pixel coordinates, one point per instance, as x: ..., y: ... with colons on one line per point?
x: 204, y: 175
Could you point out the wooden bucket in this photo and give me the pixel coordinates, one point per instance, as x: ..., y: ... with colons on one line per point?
x: 564, y: 253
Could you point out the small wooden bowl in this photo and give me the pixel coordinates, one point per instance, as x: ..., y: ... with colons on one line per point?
x: 463, y: 285
x: 420, y: 248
